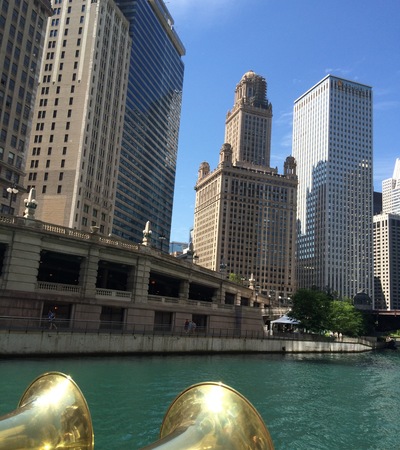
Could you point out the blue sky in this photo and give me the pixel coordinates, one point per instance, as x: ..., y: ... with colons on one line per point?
x: 293, y: 44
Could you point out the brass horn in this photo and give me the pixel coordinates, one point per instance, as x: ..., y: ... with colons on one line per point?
x: 52, y: 414
x: 212, y: 416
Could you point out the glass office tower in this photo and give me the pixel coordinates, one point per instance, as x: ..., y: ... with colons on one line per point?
x: 147, y: 168
x: 332, y: 146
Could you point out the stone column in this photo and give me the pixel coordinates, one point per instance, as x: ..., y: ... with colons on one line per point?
x: 184, y: 290
x: 130, y: 282
x: 222, y: 292
x: 88, y: 272
x: 141, y: 287
x: 238, y: 299
x: 21, y: 263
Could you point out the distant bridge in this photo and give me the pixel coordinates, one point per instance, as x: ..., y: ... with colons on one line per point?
x: 386, y: 320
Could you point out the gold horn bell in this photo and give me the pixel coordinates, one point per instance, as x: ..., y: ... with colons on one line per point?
x: 52, y: 414
x: 212, y: 416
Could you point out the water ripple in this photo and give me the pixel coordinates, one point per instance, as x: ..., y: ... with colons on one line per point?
x: 308, y: 401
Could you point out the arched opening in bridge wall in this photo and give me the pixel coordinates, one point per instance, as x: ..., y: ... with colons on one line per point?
x: 201, y: 292
x: 114, y: 276
x: 163, y: 285
x: 201, y: 321
x: 163, y: 321
x: 244, y: 301
x: 229, y: 298
x: 111, y: 318
x: 59, y: 267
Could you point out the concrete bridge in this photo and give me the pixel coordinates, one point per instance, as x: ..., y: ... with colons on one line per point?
x: 386, y: 321
x: 85, y: 277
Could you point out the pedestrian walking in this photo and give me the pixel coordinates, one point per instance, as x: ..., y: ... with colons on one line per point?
x: 52, y: 320
x: 186, y: 326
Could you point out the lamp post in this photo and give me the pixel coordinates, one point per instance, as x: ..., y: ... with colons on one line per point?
x: 162, y: 238
x: 12, y: 190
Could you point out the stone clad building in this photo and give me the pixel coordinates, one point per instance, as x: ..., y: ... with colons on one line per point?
x: 245, y: 213
x: 22, y: 33
x: 105, y: 132
x: 75, y: 144
x: 387, y: 261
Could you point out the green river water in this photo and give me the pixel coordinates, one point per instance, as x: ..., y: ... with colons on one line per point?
x: 307, y: 401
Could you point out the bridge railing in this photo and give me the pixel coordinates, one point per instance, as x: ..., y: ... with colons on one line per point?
x: 39, y: 325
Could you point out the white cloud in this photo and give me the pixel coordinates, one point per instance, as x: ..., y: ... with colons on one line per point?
x: 284, y: 119
x: 286, y: 140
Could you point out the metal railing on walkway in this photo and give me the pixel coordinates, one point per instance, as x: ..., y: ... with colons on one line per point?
x: 39, y: 325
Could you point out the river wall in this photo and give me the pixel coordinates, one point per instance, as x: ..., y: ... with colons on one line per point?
x: 67, y: 343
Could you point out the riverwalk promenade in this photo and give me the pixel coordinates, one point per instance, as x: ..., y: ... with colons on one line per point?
x: 52, y: 342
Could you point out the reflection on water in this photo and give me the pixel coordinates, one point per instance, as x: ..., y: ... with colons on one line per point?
x: 307, y: 401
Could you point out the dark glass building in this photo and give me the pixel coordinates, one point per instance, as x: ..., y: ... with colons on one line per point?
x: 147, y: 168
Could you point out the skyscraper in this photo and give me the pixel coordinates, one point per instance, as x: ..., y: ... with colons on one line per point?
x: 332, y: 146
x: 79, y: 112
x: 146, y: 176
x: 22, y: 31
x: 248, y: 125
x: 245, y: 211
x: 113, y: 76
x: 387, y: 261
x: 391, y: 191
x: 387, y: 244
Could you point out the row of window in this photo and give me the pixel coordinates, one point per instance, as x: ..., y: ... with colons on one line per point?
x: 44, y: 187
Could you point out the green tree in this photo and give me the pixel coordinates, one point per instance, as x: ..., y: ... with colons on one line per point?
x: 235, y: 278
x: 312, y: 308
x: 346, y: 319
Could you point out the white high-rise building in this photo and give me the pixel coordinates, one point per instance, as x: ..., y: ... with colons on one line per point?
x: 391, y: 191
x: 332, y: 146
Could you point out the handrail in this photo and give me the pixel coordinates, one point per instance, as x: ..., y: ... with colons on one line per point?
x: 39, y: 325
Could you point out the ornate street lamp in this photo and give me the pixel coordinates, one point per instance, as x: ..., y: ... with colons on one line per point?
x: 12, y: 190
x: 162, y: 238
x: 30, y: 204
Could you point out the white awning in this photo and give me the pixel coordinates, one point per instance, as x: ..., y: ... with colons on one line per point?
x: 285, y: 319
